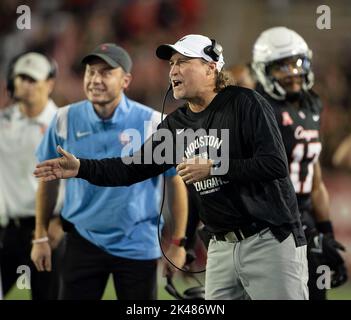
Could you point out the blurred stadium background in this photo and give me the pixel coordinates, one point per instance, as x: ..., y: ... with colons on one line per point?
x: 67, y: 29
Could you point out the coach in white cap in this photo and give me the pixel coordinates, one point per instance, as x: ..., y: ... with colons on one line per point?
x: 22, y: 125
x: 33, y: 65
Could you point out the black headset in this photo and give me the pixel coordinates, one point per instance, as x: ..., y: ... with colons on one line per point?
x: 194, y: 293
x: 214, y: 50
x: 10, y: 85
x: 53, y: 68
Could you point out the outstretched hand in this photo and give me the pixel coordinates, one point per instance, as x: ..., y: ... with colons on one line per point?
x: 60, y: 168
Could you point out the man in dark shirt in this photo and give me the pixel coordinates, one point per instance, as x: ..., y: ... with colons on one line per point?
x: 228, y: 149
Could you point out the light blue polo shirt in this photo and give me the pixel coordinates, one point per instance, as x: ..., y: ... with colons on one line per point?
x: 119, y: 220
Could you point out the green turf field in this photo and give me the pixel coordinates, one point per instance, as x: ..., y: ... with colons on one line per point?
x: 342, y: 293
x: 181, y: 285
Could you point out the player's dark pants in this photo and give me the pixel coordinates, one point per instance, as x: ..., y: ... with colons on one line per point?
x: 86, y: 269
x: 15, y: 247
x: 314, y: 260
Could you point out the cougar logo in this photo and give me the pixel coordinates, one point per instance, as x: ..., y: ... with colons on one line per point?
x: 308, y: 135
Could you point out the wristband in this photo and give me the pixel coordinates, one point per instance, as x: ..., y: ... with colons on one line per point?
x: 40, y: 240
x: 325, y: 227
x: 179, y: 242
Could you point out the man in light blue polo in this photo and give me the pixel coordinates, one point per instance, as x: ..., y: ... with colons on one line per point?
x: 109, y: 230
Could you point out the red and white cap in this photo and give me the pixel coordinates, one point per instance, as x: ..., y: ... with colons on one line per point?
x: 193, y: 46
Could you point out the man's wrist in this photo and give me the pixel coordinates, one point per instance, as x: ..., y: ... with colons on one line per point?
x: 40, y: 231
x: 40, y: 240
x: 81, y: 168
x: 179, y: 242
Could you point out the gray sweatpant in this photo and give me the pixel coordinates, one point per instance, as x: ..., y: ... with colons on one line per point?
x: 258, y: 268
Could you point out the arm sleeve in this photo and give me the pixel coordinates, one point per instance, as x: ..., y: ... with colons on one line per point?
x: 128, y: 170
x: 262, y: 135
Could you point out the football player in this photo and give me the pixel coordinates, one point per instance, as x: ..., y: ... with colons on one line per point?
x: 282, y: 66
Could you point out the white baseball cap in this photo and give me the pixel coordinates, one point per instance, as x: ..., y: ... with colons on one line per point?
x: 192, y: 45
x: 34, y: 65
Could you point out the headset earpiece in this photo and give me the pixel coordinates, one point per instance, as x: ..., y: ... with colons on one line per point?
x: 10, y: 80
x: 195, y: 293
x: 10, y: 86
x: 214, y: 50
x: 53, y: 68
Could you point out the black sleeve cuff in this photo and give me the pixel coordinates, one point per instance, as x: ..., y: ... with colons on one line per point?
x: 83, y: 168
x: 325, y: 227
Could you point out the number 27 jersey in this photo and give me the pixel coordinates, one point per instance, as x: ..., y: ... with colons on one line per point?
x: 300, y: 129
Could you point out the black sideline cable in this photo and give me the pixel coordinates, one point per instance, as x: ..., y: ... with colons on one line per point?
x: 162, y: 203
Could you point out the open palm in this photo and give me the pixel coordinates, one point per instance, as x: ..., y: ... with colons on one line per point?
x: 60, y: 168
